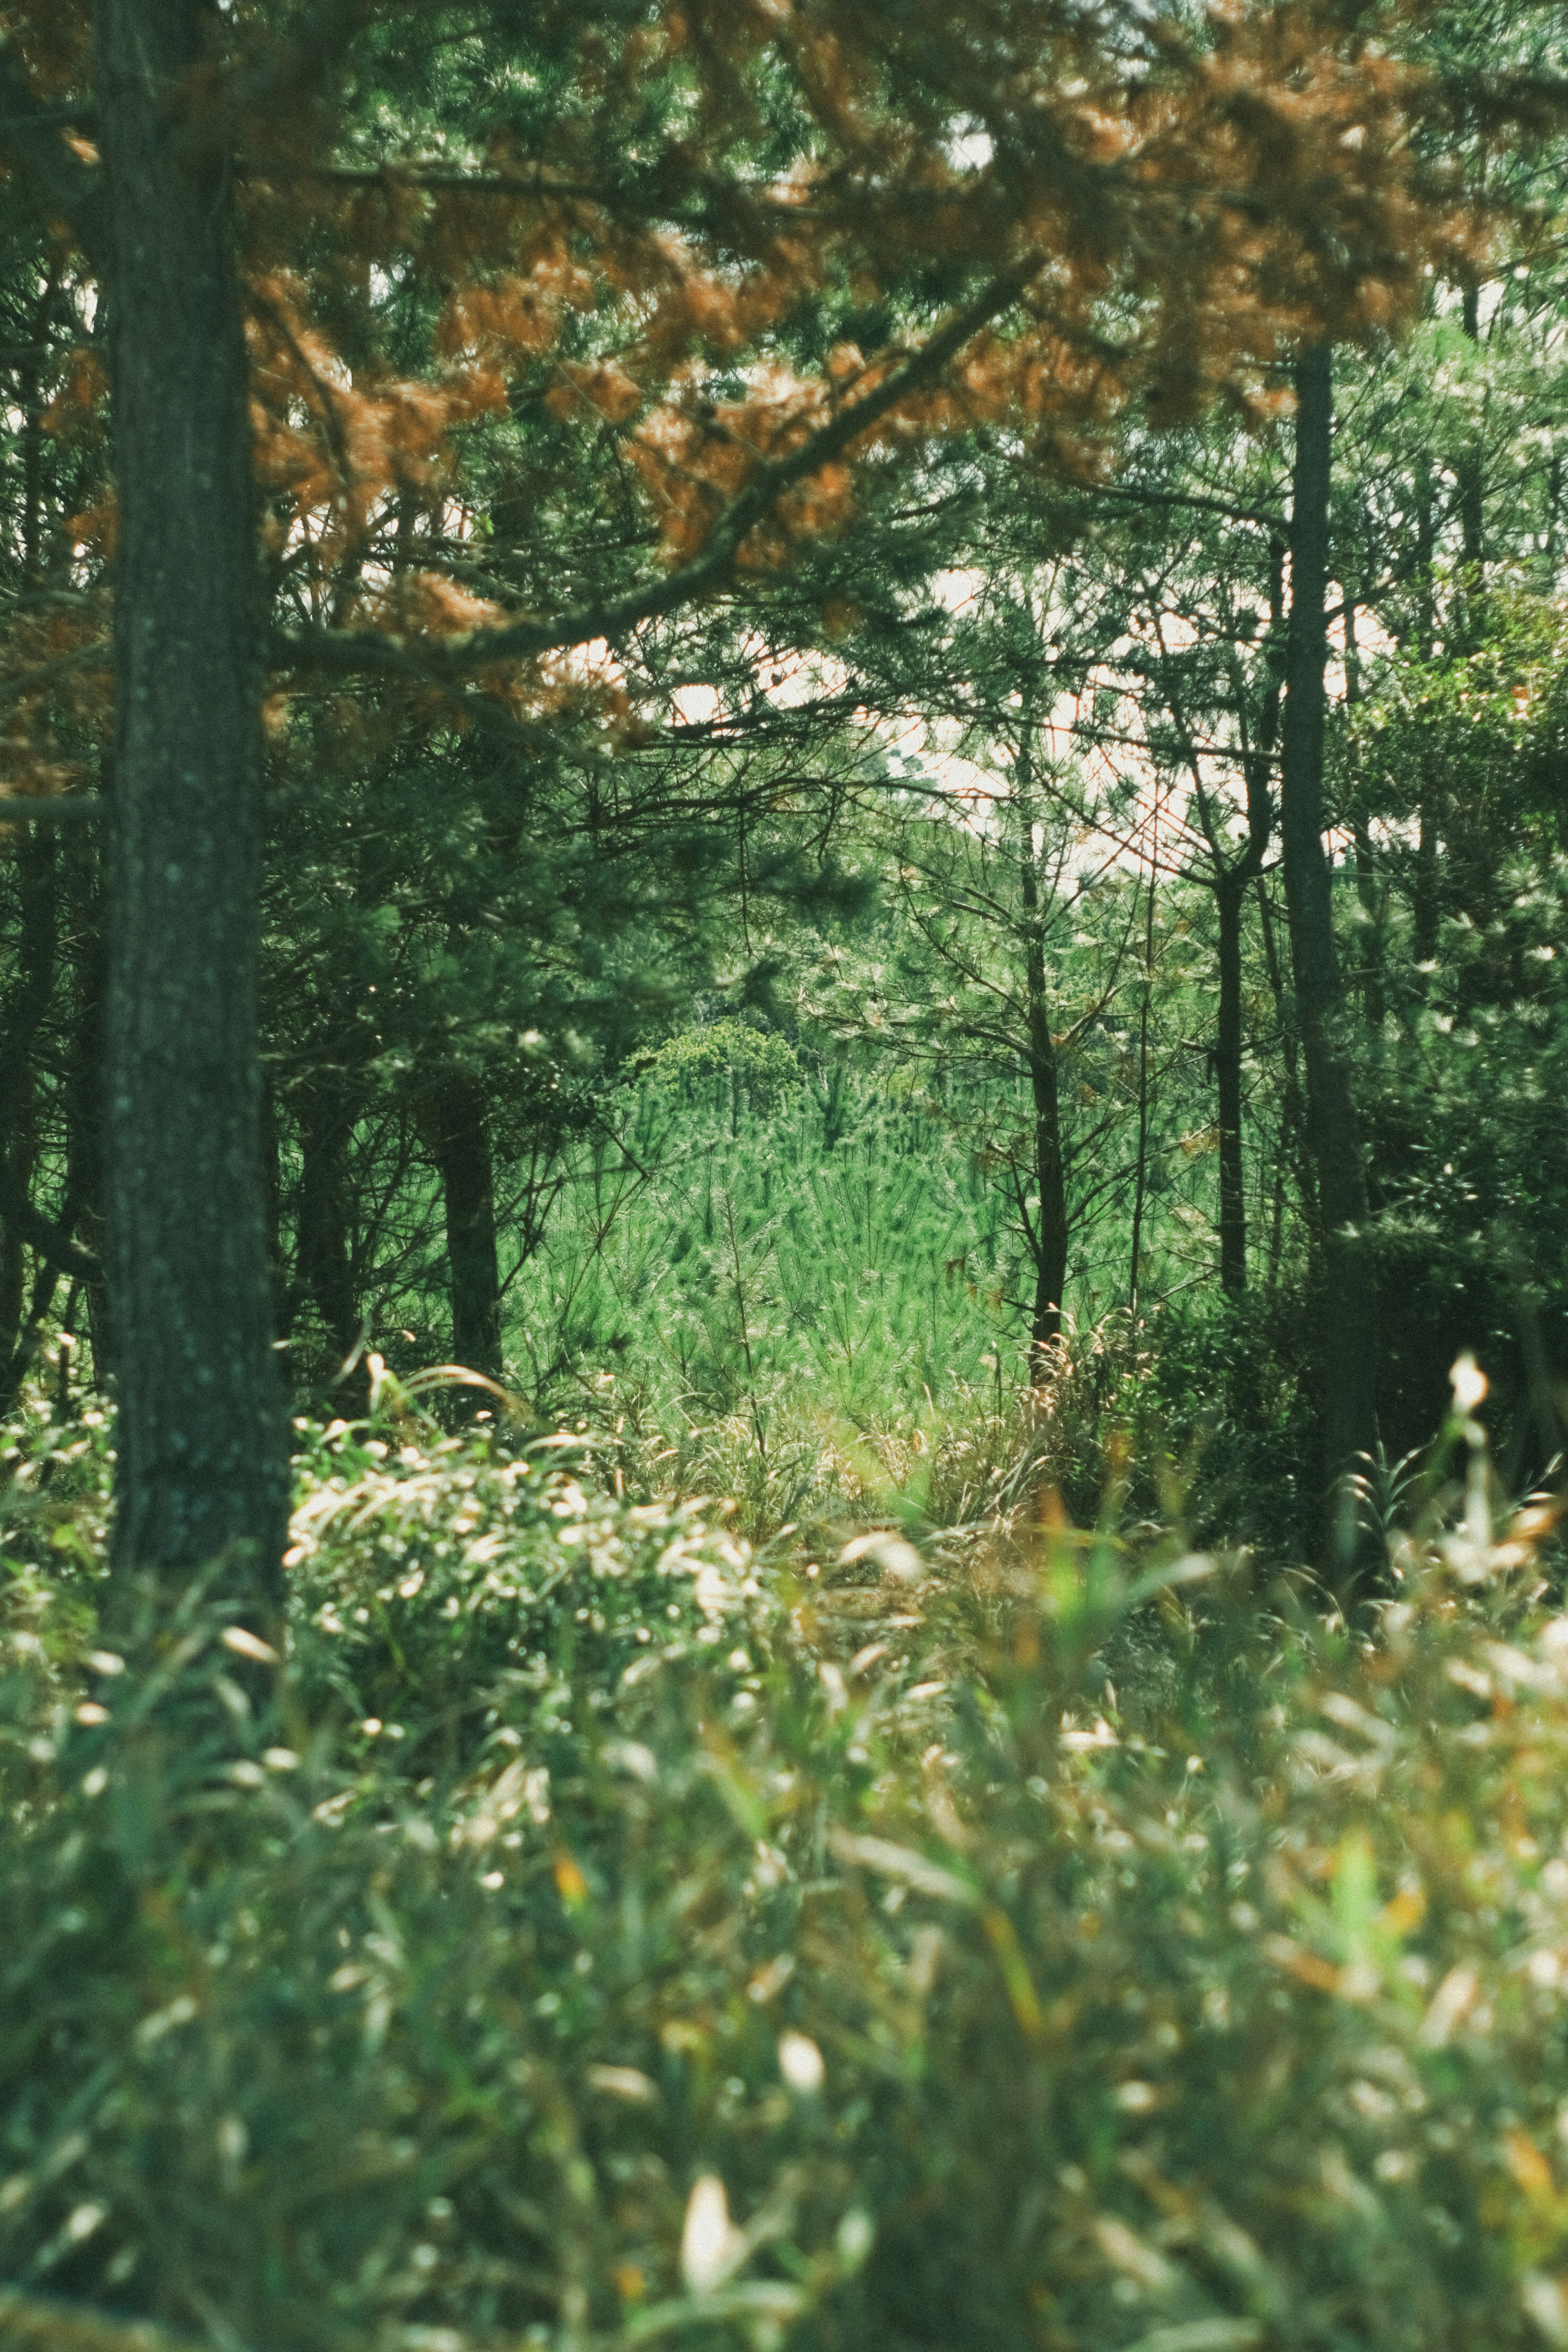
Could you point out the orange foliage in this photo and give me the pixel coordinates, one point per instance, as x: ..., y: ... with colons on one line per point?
x: 1175, y: 212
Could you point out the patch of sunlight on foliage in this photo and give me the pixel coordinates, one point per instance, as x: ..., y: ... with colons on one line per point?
x: 759, y: 1061
x: 584, y: 1931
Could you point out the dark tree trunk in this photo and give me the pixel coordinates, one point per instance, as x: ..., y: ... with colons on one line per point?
x: 1369, y: 890
x: 1294, y: 1123
x: 38, y: 894
x: 13, y: 1289
x: 1472, y: 498
x: 1141, y: 1169
x: 85, y: 1093
x: 1050, y: 1229
x: 1231, y: 884
x: 1348, y: 1317
x: 1425, y: 905
x: 467, y: 1181
x: 1230, y: 890
x: 203, y: 1434
x: 272, y: 1192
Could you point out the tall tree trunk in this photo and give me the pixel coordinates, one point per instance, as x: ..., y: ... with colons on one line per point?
x: 37, y: 895
x: 203, y: 1434
x: 1050, y: 1231
x: 85, y: 1093
x: 1423, y: 908
x: 468, y: 1182
x: 1293, y: 1137
x: 1230, y: 890
x: 1141, y: 1168
x: 1469, y: 476
x: 1348, y: 1326
x: 1231, y: 885
x: 1369, y: 887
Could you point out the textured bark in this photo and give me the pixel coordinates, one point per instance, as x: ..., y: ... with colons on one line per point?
x: 1348, y: 1310
x: 1231, y: 885
x: 1294, y: 1138
x: 1230, y: 890
x: 1141, y: 1168
x: 1423, y: 908
x: 203, y: 1434
x: 468, y: 1182
x: 84, y: 1097
x: 29, y: 1001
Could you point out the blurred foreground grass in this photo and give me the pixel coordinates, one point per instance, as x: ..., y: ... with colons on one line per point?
x: 574, y: 1929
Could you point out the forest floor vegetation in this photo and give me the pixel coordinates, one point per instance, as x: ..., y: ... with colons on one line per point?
x: 936, y: 1924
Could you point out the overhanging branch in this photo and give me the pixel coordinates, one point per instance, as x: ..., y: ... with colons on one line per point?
x: 370, y: 652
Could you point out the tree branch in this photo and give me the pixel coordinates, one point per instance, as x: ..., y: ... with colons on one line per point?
x: 359, y: 653
x: 49, y: 1240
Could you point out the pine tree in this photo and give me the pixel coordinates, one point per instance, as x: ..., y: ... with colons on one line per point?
x: 673, y: 283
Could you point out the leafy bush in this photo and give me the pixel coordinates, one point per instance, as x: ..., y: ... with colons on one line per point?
x: 759, y: 1060
x: 1064, y: 1952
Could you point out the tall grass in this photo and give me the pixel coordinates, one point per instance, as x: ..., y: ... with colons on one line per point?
x: 812, y: 1268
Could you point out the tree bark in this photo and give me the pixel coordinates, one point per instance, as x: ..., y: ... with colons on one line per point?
x: 1348, y: 1328
x: 1050, y: 1233
x: 203, y: 1432
x: 37, y: 895
x: 85, y: 1094
x: 1140, y: 1170
x: 1230, y: 890
x: 467, y: 1181
x: 1423, y: 908
x: 1469, y: 479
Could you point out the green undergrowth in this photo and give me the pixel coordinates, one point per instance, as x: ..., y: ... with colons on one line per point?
x: 573, y: 1928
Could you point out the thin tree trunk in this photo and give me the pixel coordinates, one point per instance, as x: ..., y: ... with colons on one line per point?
x: 272, y: 1187
x: 1230, y: 890
x: 1140, y: 1173
x: 16, y: 1367
x: 203, y: 1432
x: 1423, y: 910
x: 1348, y: 1327
x: 1294, y: 1123
x: 1369, y: 888
x: 13, y: 1273
x: 1050, y: 1174
x: 37, y: 893
x: 39, y: 896
x: 1472, y: 508
x: 85, y: 1093
x: 467, y: 1181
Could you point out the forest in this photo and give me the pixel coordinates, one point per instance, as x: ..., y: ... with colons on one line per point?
x: 783, y: 1222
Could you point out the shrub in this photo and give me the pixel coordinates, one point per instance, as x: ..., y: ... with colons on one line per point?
x: 759, y: 1060
x: 1068, y: 1953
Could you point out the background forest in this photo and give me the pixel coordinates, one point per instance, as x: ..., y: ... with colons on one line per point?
x: 784, y: 886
